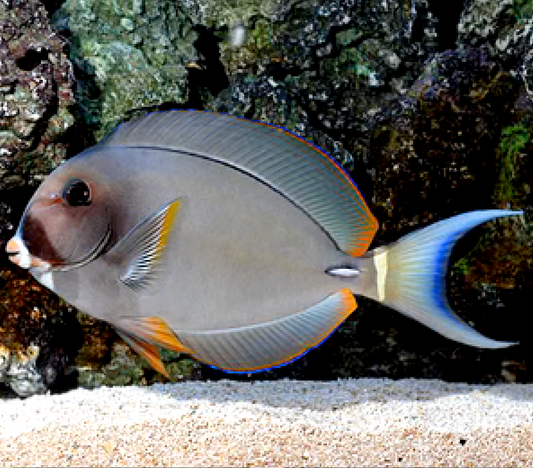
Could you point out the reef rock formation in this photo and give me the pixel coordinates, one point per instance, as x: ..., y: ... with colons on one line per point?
x: 427, y: 103
x: 36, y: 93
x: 127, y: 55
x: 36, y: 90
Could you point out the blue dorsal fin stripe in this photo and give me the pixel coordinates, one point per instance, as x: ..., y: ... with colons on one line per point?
x: 298, y: 169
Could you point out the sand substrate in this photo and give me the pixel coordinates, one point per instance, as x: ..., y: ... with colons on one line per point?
x: 365, y: 422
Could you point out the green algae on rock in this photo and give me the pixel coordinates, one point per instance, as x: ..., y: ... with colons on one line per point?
x: 129, y: 54
x: 513, y: 150
x: 125, y: 367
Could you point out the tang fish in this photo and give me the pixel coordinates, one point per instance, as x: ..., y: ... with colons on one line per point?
x: 231, y: 240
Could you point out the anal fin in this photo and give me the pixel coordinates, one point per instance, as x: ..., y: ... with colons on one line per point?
x: 145, y: 334
x: 153, y: 330
x: 147, y: 350
x: 263, y: 346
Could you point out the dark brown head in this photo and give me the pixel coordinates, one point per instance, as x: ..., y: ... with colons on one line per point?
x: 66, y: 224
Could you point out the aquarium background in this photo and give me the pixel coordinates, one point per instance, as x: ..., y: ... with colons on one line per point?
x: 427, y: 104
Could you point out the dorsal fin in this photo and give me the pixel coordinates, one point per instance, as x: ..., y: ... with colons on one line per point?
x: 302, y: 172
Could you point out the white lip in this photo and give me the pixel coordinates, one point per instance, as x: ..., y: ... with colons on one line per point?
x: 19, y: 254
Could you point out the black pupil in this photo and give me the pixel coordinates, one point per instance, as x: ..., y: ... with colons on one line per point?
x: 77, y: 193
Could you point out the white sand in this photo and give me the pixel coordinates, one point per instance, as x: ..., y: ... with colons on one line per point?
x: 286, y: 423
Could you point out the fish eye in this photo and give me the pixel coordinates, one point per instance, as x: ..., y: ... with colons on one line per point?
x: 77, y: 193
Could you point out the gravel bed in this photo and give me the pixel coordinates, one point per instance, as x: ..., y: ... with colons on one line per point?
x: 365, y: 422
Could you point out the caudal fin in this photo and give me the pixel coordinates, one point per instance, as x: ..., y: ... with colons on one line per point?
x: 410, y: 276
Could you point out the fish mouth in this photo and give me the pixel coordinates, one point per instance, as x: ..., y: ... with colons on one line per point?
x: 19, y: 254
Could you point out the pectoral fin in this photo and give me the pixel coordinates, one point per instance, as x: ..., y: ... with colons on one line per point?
x: 141, y: 250
x: 273, y: 344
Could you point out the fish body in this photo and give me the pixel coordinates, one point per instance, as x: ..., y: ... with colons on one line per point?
x: 230, y: 240
x: 236, y: 246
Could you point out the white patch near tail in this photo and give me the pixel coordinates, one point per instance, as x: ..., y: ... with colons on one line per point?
x: 381, y: 264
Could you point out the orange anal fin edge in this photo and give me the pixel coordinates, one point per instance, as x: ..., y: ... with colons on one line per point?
x: 153, y: 330
x: 348, y: 305
x: 148, y: 351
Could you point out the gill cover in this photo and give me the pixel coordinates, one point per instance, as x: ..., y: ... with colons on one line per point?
x: 67, y: 222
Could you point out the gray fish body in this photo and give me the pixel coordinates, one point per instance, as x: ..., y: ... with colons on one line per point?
x: 240, y: 252
x: 233, y: 241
